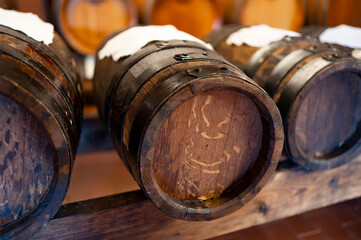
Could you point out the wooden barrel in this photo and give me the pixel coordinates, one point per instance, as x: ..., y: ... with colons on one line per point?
x: 199, y: 137
x: 333, y: 12
x: 317, y: 88
x: 85, y: 24
x: 40, y: 105
x: 286, y: 14
x: 196, y: 17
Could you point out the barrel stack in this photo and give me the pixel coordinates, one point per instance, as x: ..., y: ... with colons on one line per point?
x: 316, y: 87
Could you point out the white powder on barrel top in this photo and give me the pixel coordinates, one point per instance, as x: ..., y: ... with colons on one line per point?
x: 128, y: 42
x: 28, y: 23
x: 343, y: 35
x: 258, y: 36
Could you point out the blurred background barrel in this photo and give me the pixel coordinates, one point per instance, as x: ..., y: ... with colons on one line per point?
x: 40, y: 104
x: 286, y: 14
x: 198, y: 136
x: 197, y: 17
x: 343, y: 37
x: 317, y: 88
x: 85, y: 24
x: 334, y: 12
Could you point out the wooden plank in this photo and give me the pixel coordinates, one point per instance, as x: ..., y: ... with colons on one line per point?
x: 289, y: 192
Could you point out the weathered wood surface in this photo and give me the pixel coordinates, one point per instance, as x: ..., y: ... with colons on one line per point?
x: 131, y: 216
x: 198, y: 135
x: 41, y: 109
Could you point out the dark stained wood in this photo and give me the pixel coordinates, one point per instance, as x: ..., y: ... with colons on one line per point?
x: 171, y: 93
x: 321, y: 117
x: 40, y: 128
x: 333, y: 12
x: 316, y: 31
x: 289, y: 192
x: 202, y: 138
x: 23, y: 184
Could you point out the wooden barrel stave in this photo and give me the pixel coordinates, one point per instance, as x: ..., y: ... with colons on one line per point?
x: 36, y: 83
x: 143, y: 90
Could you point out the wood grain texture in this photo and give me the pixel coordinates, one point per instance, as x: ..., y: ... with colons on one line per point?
x: 290, y: 192
x: 26, y: 163
x: 40, y: 127
x: 211, y: 146
x: 171, y: 93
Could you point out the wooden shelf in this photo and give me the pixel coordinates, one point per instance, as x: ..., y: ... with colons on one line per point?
x: 130, y: 215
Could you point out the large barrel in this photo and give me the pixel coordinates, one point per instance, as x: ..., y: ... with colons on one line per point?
x: 40, y: 104
x: 333, y: 12
x: 199, y: 136
x: 317, y: 88
x: 85, y: 24
x: 197, y: 17
x: 287, y: 14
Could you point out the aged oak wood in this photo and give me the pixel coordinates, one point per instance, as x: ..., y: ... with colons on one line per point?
x: 197, y: 135
x: 316, y: 87
x: 131, y: 216
x: 41, y: 106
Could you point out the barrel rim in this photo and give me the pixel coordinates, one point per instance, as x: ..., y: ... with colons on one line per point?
x: 337, y: 157
x: 187, y: 210
x: 38, y: 217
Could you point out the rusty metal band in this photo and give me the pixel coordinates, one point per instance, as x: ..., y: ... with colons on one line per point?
x: 260, y: 56
x: 297, y: 82
x: 282, y: 68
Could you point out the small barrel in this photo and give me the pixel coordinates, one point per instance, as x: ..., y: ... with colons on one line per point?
x: 85, y: 24
x: 199, y: 137
x: 317, y: 88
x: 41, y: 108
x: 333, y: 12
x: 196, y: 17
x: 286, y: 14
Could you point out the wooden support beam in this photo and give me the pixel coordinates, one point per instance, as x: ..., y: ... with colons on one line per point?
x: 131, y: 216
